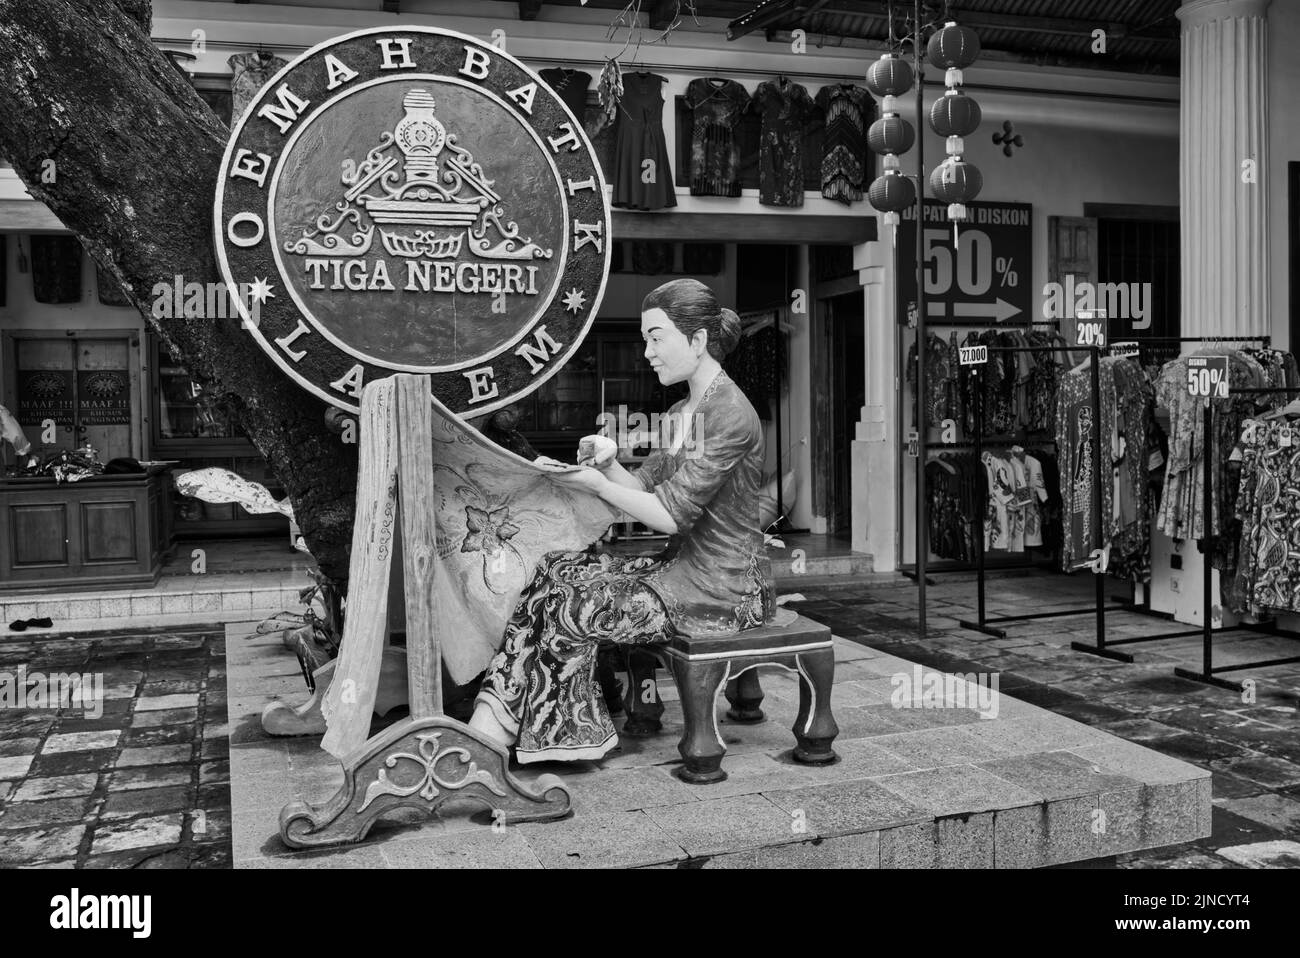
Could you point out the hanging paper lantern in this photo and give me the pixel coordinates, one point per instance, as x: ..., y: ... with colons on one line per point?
x: 891, y: 192
x: 956, y: 183
x: 889, y: 76
x: 953, y: 47
x: 954, y: 114
x: 890, y: 134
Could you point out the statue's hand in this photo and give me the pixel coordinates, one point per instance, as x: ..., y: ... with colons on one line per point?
x: 546, y: 462
x: 596, y: 451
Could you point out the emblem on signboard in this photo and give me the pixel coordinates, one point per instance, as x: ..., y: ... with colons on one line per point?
x: 414, y: 200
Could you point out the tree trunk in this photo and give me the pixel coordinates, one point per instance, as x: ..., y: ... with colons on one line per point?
x: 136, y: 154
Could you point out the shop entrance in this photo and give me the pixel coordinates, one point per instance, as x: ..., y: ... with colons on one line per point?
x: 847, y: 393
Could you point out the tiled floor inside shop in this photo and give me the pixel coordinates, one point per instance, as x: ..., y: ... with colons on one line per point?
x: 146, y: 784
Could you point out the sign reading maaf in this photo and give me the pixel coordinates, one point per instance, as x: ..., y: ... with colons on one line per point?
x: 414, y: 200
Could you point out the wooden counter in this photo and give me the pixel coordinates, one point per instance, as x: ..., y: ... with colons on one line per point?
x: 101, y: 532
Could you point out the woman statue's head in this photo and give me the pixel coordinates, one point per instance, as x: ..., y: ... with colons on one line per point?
x: 683, y: 326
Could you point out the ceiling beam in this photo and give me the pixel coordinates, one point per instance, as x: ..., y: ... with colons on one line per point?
x: 1059, y: 26
x: 767, y: 14
x: 528, y: 9
x: 663, y: 13
x: 1117, y: 63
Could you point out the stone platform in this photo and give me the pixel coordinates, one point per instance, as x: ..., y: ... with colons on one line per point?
x: 915, y: 787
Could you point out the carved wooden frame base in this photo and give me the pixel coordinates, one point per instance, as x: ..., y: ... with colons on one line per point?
x: 422, y: 763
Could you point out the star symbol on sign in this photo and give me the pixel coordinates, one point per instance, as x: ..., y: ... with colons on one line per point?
x: 575, y: 300
x: 260, y: 290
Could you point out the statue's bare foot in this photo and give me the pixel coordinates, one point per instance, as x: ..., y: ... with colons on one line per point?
x: 484, y: 720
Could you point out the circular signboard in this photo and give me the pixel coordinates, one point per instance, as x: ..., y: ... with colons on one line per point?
x: 413, y: 200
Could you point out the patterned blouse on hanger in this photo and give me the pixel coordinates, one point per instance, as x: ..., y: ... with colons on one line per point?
x: 571, y: 85
x: 784, y: 106
x: 848, y: 110
x: 716, y: 105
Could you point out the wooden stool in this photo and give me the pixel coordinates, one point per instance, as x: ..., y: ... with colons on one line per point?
x: 702, y: 664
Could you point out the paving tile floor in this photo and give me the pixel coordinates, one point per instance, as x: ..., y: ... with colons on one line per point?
x: 146, y: 784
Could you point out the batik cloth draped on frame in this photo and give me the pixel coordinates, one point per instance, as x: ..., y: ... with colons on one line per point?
x: 496, y: 515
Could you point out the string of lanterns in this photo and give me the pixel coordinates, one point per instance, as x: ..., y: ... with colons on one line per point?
x: 954, y: 116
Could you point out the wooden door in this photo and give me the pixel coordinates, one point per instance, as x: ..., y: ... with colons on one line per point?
x: 1071, y: 252
x: 104, y: 391
x: 45, y: 391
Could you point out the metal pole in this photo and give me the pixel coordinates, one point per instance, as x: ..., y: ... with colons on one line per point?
x: 978, y: 520
x: 1207, y: 539
x: 1097, y: 490
x: 922, y: 539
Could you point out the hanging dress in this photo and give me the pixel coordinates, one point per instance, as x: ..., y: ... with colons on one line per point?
x: 848, y: 111
x: 716, y: 105
x: 784, y: 106
x: 712, y: 578
x: 571, y: 85
x: 643, y: 176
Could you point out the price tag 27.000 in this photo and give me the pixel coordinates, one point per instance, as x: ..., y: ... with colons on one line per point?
x: 973, y: 355
x: 1207, y: 377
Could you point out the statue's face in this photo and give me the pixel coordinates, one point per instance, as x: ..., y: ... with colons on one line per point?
x: 671, y: 355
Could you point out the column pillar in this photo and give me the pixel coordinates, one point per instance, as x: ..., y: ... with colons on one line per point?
x: 874, y: 451
x: 1223, y: 186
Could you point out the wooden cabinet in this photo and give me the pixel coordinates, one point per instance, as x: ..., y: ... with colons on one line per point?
x: 101, y: 532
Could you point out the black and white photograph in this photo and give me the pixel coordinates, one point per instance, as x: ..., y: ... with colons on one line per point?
x: 766, y: 436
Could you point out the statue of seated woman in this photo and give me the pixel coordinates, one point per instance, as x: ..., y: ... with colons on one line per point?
x: 540, y: 694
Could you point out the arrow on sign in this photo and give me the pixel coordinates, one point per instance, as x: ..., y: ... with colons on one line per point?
x: 999, y: 311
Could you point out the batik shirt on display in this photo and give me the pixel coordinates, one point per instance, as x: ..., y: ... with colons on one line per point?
x: 784, y: 106
x: 716, y: 105
x: 1268, y: 573
x: 848, y: 110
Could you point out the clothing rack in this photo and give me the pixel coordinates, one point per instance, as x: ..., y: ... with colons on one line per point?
x: 1209, y: 670
x: 923, y: 446
x: 983, y: 623
x: 1104, y: 648
x: 954, y: 565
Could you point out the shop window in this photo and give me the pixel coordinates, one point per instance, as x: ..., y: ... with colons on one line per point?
x: 197, y: 429
x: 608, y: 373
x: 185, y: 411
x: 1142, y: 251
x: 84, y: 386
